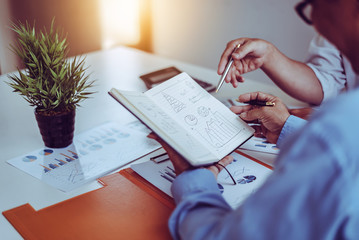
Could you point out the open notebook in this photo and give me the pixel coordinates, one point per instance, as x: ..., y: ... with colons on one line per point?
x: 198, y: 126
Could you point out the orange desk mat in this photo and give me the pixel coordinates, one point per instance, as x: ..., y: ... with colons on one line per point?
x: 127, y: 207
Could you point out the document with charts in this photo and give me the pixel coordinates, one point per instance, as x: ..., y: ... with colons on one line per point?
x: 248, y: 174
x: 198, y: 126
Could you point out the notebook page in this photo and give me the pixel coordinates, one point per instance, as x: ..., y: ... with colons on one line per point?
x: 164, y: 125
x: 202, y: 115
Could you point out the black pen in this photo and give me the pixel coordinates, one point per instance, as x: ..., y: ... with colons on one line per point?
x: 259, y: 103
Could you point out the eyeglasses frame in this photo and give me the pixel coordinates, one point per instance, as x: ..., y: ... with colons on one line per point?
x: 299, y: 8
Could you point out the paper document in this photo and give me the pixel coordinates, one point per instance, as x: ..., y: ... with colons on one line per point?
x: 260, y: 145
x: 93, y: 154
x: 248, y: 174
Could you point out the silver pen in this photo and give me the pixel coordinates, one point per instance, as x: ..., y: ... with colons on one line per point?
x: 229, y: 64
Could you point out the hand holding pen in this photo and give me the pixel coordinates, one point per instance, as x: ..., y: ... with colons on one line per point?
x: 267, y: 110
x: 251, y: 55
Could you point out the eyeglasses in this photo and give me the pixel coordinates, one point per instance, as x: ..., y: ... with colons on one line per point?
x: 304, y: 10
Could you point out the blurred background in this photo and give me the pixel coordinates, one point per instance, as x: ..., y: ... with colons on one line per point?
x: 194, y: 31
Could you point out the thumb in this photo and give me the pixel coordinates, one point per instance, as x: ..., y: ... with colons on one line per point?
x: 240, y: 109
x: 154, y: 136
x: 251, y: 115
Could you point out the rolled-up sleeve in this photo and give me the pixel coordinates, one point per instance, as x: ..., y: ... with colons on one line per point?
x: 327, y: 63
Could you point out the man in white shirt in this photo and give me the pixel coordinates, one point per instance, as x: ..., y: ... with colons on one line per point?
x: 326, y: 74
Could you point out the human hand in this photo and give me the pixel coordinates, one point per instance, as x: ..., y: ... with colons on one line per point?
x: 180, y: 164
x: 251, y: 55
x: 271, y: 118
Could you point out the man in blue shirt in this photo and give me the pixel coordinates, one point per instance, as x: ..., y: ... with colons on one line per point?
x: 313, y: 191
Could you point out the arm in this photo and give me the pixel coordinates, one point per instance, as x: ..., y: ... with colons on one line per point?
x: 303, y: 113
x: 288, y: 206
x: 293, y: 77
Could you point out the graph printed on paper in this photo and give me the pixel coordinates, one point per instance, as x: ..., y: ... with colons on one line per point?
x: 196, y: 114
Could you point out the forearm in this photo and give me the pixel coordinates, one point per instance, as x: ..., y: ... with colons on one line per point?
x: 200, y: 206
x: 293, y: 77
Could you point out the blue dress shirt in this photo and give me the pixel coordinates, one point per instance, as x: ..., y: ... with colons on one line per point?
x: 292, y: 125
x: 313, y: 192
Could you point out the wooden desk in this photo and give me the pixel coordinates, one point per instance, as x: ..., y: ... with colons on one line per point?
x: 120, y: 68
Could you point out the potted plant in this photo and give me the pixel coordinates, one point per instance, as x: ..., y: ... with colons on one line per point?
x: 50, y: 82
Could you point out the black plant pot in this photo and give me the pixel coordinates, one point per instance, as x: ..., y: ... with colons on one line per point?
x: 57, y: 131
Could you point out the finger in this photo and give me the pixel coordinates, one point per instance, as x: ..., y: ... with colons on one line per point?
x: 246, y: 97
x: 226, y: 161
x: 259, y: 135
x: 216, y: 167
x: 165, y: 146
x: 234, y: 78
x: 246, y: 48
x: 238, y: 65
x: 226, y: 55
x: 228, y: 78
x: 257, y: 130
x: 256, y: 96
x: 239, y: 78
x: 264, y: 130
x: 242, y: 79
x: 254, y: 114
x: 240, y: 109
x: 152, y: 135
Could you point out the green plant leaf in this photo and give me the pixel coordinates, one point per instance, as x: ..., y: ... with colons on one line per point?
x: 50, y: 81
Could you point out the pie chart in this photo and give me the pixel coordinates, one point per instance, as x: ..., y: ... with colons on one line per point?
x: 29, y: 158
x: 46, y: 152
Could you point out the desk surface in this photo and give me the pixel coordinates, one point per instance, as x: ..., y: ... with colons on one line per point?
x: 120, y: 68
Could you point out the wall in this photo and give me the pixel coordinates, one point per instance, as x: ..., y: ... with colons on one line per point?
x: 79, y: 19
x: 194, y: 31
x: 197, y: 31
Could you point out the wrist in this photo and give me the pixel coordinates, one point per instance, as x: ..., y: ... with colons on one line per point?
x: 270, y: 57
x: 214, y: 169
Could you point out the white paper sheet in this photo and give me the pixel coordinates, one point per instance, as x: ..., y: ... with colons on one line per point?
x: 93, y: 154
x: 249, y: 175
x: 260, y: 145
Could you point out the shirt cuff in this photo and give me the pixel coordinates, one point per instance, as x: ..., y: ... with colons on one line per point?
x: 191, y: 181
x: 292, y: 124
